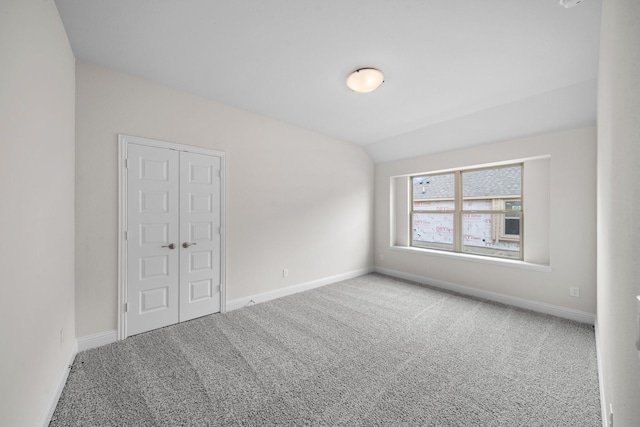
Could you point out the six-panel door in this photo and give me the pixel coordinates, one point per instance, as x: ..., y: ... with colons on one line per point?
x: 173, y: 237
x: 200, y: 233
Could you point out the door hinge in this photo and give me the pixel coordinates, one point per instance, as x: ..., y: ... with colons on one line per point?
x: 126, y: 163
x: 126, y: 307
x: 126, y: 235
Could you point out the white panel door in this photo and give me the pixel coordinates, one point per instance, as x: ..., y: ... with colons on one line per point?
x: 152, y: 238
x: 200, y: 213
x: 174, y: 247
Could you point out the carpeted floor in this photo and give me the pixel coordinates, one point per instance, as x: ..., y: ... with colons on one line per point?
x: 367, y: 351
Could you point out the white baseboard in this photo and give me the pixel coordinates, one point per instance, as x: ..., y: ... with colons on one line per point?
x: 62, y: 380
x: 290, y: 290
x: 603, y: 399
x: 566, y: 313
x: 97, y: 340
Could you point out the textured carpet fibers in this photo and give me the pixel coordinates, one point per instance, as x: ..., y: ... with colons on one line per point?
x: 367, y: 351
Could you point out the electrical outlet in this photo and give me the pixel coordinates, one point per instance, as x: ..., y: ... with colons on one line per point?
x: 285, y: 273
x: 574, y: 291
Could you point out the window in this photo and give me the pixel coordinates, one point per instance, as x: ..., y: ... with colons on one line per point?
x: 475, y: 211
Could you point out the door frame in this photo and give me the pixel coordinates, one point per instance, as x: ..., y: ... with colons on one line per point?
x: 123, y: 145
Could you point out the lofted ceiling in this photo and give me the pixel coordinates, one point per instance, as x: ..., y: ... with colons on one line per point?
x: 457, y: 72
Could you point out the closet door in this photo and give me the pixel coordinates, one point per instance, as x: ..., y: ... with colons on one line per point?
x: 173, y: 240
x: 153, y: 248
x: 200, y: 213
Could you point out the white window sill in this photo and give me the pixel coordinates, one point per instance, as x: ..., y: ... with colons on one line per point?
x: 475, y: 258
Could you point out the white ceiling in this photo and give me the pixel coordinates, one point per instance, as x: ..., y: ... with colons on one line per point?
x: 523, y: 66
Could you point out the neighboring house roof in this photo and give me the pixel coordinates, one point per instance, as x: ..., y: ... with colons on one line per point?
x: 477, y: 183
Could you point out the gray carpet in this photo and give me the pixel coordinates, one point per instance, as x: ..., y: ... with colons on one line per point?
x: 367, y: 351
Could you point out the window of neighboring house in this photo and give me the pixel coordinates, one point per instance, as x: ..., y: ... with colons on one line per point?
x: 476, y: 211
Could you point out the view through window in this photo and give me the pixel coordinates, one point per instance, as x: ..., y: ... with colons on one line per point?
x: 475, y: 211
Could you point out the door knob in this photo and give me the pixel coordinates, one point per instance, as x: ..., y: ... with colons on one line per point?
x: 186, y: 245
x: 170, y: 246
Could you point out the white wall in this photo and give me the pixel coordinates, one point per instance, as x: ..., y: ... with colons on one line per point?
x: 295, y: 199
x: 37, y: 208
x: 618, y: 207
x: 570, y: 228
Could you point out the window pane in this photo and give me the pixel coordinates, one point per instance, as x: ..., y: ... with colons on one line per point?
x: 477, y: 205
x: 512, y: 226
x: 481, y: 234
x: 432, y: 230
x: 434, y: 205
x: 512, y: 221
x: 492, y: 182
x: 434, y: 187
x: 513, y: 205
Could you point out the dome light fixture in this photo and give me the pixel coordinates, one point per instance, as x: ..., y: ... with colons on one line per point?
x: 364, y: 80
x: 570, y: 3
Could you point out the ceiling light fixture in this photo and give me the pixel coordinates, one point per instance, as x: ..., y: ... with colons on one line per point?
x: 570, y: 3
x: 365, y: 80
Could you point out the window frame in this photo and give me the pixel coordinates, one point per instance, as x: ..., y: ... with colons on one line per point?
x: 498, y: 232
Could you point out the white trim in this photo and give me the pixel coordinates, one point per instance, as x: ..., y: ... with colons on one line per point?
x: 168, y: 145
x: 566, y: 313
x: 603, y: 399
x: 97, y: 340
x: 123, y: 141
x: 62, y: 380
x: 290, y: 290
x: 122, y: 244
x: 503, y: 262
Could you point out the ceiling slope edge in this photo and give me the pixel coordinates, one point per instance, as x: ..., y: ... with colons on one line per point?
x: 565, y: 108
